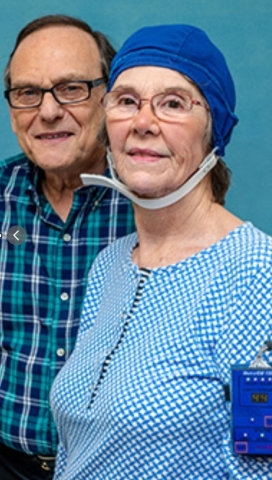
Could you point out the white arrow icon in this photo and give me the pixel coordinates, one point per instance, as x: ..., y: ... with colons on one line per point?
x: 15, y: 235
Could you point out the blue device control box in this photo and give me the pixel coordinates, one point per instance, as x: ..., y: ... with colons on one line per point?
x: 251, y: 398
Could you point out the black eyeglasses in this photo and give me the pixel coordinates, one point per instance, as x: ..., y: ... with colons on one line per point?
x: 65, y: 93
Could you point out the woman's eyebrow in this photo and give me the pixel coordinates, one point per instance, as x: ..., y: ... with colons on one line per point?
x: 124, y: 88
x: 132, y: 89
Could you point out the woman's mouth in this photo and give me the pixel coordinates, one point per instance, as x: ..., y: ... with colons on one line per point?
x: 144, y: 154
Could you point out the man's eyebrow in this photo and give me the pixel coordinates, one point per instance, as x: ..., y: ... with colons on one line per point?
x: 22, y: 84
x: 73, y: 77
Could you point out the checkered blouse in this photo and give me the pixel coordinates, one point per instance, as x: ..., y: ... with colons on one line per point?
x: 154, y: 408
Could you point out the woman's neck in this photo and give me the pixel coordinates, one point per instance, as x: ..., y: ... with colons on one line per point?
x: 172, y: 234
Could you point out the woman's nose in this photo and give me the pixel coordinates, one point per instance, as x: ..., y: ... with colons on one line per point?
x: 145, y: 119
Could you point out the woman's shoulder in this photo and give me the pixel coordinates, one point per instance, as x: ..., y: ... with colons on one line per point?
x: 249, y: 246
x: 251, y: 237
x: 122, y: 244
x: 118, y: 249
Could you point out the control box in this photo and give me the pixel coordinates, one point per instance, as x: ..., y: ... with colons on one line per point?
x: 251, y: 398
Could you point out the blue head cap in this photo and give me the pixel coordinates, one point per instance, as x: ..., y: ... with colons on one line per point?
x: 189, y: 51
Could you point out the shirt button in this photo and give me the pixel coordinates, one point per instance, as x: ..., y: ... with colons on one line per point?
x: 60, y: 352
x: 64, y: 296
x: 67, y: 237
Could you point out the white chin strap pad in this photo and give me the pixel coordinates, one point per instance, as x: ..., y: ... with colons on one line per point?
x: 152, y: 203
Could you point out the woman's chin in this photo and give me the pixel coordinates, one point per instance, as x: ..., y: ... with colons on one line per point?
x: 145, y: 189
x: 147, y: 193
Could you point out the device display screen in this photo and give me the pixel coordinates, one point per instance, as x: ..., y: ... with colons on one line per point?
x: 259, y: 397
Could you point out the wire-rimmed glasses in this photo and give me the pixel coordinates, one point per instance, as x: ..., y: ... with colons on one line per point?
x: 169, y: 105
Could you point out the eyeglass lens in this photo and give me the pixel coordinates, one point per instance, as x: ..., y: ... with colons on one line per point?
x: 170, y: 104
x: 64, y: 92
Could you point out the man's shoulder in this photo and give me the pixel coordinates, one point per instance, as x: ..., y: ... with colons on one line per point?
x: 16, y: 167
x: 20, y: 159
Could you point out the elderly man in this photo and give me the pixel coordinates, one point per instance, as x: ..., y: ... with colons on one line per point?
x: 52, y: 226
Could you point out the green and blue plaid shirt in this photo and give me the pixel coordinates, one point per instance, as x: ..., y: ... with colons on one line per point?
x: 42, y: 285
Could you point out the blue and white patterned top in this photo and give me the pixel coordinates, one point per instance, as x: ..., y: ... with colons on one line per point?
x: 158, y: 411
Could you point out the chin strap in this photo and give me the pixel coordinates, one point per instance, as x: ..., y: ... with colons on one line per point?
x: 152, y: 203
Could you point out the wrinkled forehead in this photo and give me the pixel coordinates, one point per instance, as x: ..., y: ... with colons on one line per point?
x: 154, y: 80
x: 55, y: 48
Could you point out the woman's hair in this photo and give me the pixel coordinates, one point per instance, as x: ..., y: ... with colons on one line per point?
x: 106, y: 50
x: 220, y: 181
x: 220, y: 174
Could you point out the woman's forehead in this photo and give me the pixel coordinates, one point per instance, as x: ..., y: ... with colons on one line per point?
x: 151, y: 77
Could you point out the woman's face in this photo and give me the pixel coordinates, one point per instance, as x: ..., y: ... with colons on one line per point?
x: 154, y: 157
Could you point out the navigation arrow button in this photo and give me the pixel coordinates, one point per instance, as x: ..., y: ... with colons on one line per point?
x: 16, y: 235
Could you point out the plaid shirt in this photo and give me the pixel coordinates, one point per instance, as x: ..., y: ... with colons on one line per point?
x: 42, y: 285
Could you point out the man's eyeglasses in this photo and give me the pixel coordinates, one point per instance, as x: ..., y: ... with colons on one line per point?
x: 168, y: 106
x: 64, y: 93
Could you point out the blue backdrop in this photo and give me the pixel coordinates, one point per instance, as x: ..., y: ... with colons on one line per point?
x: 240, y: 28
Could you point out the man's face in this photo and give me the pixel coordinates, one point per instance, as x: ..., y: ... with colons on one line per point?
x: 59, y: 138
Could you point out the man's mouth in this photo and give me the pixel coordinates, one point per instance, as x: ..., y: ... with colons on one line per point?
x: 53, y: 136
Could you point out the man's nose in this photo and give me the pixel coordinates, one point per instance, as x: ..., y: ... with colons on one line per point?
x: 50, y: 108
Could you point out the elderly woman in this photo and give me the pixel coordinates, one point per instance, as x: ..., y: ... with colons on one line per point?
x: 170, y: 310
